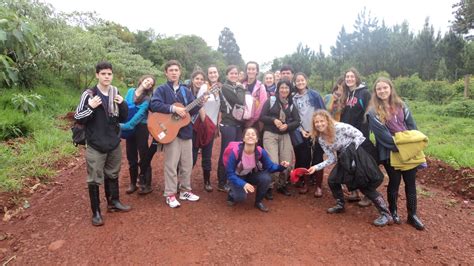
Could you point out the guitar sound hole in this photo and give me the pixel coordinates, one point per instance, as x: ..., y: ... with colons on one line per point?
x: 176, y: 117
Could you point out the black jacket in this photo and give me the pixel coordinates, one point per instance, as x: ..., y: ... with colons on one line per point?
x: 357, y: 169
x: 233, y: 95
x: 102, y: 131
x: 354, y: 111
x: 271, y: 113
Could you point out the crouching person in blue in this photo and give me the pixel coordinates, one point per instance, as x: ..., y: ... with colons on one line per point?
x: 248, y: 168
x: 100, y: 110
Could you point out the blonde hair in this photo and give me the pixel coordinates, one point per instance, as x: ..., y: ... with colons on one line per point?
x: 330, y: 130
x: 378, y: 105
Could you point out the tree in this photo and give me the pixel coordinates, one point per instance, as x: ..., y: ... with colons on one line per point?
x: 425, y: 52
x: 450, y: 48
x: 463, y: 16
x: 442, y: 71
x: 229, y: 48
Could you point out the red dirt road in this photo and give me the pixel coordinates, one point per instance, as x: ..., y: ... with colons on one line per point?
x: 56, y: 229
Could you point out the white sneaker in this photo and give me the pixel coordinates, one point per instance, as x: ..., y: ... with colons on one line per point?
x: 188, y: 195
x: 172, y: 202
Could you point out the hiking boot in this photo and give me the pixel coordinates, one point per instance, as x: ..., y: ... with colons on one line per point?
x: 223, y: 188
x: 230, y: 200
x: 188, y: 195
x: 284, y: 190
x: 172, y: 202
x: 261, y: 207
x: 338, y: 208
x: 269, y: 194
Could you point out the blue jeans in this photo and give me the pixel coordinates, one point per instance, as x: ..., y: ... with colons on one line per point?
x: 261, y: 180
x: 228, y: 134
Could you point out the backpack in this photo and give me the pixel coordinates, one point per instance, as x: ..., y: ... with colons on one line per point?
x: 237, y: 148
x: 79, y: 130
x: 240, y: 112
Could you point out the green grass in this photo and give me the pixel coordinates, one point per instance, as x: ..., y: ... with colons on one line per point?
x: 35, y: 155
x: 451, y: 139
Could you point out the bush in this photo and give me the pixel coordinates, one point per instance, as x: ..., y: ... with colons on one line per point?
x: 26, y: 102
x: 370, y: 80
x: 14, y: 129
x: 462, y: 108
x: 409, y: 87
x: 437, y: 92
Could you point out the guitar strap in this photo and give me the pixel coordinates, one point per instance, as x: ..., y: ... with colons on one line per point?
x: 183, y: 92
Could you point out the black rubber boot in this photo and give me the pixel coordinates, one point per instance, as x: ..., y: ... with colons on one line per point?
x: 411, y: 209
x: 113, y: 202
x: 145, y: 181
x: 133, y: 180
x: 392, y: 199
x: 95, y: 204
x: 385, y: 218
x: 338, y: 208
x: 207, y: 180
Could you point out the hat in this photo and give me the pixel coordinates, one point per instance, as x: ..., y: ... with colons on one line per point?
x: 297, y: 173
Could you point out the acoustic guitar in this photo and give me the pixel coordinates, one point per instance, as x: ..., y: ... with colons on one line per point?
x: 165, y: 127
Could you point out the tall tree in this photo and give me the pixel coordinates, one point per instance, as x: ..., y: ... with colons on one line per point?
x: 450, y: 48
x: 463, y: 16
x: 425, y: 52
x: 229, y: 48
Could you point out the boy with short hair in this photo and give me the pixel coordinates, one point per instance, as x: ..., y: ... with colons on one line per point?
x: 100, y: 110
x: 178, y: 153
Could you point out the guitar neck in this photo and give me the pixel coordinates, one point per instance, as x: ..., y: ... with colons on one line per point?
x: 194, y: 103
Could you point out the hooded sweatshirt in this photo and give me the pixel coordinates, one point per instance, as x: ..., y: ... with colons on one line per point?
x: 354, y: 111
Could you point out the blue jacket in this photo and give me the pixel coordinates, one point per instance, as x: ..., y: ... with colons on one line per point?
x: 384, y: 140
x: 164, y: 97
x: 267, y: 164
x: 316, y: 100
x: 140, y: 115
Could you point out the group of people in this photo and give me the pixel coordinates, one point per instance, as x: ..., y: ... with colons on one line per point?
x: 292, y: 122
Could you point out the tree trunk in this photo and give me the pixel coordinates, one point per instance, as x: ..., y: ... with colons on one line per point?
x: 467, y: 78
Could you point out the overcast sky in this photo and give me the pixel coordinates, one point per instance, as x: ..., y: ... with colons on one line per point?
x: 263, y: 29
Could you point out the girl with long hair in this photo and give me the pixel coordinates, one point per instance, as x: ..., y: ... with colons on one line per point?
x: 354, y: 167
x: 387, y: 115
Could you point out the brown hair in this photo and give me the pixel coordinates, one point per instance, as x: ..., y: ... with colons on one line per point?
x: 145, y: 93
x: 330, y: 131
x: 230, y: 67
x: 172, y: 63
x: 346, y: 88
x: 194, y: 75
x: 378, y: 106
x: 250, y: 128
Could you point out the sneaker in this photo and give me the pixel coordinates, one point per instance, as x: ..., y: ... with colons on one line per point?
x: 223, y: 188
x: 172, y: 201
x: 188, y: 195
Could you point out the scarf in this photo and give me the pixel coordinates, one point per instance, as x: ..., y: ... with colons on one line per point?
x: 112, y: 106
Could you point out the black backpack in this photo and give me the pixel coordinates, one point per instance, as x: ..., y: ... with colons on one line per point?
x: 79, y: 130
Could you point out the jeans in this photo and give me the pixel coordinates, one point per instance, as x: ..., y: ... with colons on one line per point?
x: 261, y: 180
x: 228, y: 134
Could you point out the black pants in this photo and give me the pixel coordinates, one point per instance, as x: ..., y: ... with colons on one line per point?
x: 395, y: 176
x: 137, y: 147
x: 206, y: 154
x: 149, y: 156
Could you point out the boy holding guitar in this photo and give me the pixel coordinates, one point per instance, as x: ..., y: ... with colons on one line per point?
x: 168, y: 114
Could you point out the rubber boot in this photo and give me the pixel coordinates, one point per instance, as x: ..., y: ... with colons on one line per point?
x: 338, y: 208
x: 411, y: 209
x: 207, y: 180
x: 385, y: 218
x: 113, y: 202
x: 318, y: 181
x: 145, y: 187
x: 95, y: 204
x: 392, y: 199
x: 133, y: 180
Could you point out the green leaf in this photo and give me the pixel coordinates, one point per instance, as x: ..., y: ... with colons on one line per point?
x: 3, y: 35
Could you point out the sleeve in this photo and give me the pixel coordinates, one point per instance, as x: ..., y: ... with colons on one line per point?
x: 330, y: 159
x: 230, y: 171
x: 320, y: 102
x: 295, y: 119
x: 264, y: 116
x: 269, y: 165
x: 381, y: 133
x: 83, y: 111
x: 237, y: 97
x: 157, y: 103
x: 137, y: 118
x: 354, y: 134
x: 409, y: 121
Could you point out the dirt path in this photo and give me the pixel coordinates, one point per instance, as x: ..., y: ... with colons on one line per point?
x: 56, y: 229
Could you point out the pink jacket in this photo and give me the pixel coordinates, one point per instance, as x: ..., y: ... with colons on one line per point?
x: 260, y: 97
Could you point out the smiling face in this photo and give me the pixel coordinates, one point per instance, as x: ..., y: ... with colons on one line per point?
x: 233, y: 75
x: 252, y: 71
x: 283, y: 91
x: 172, y: 73
x: 268, y: 81
x: 300, y: 82
x: 383, y: 91
x: 250, y: 136
x: 212, y: 74
x: 198, y: 80
x: 320, y: 123
x: 350, y: 79
x: 148, y: 83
